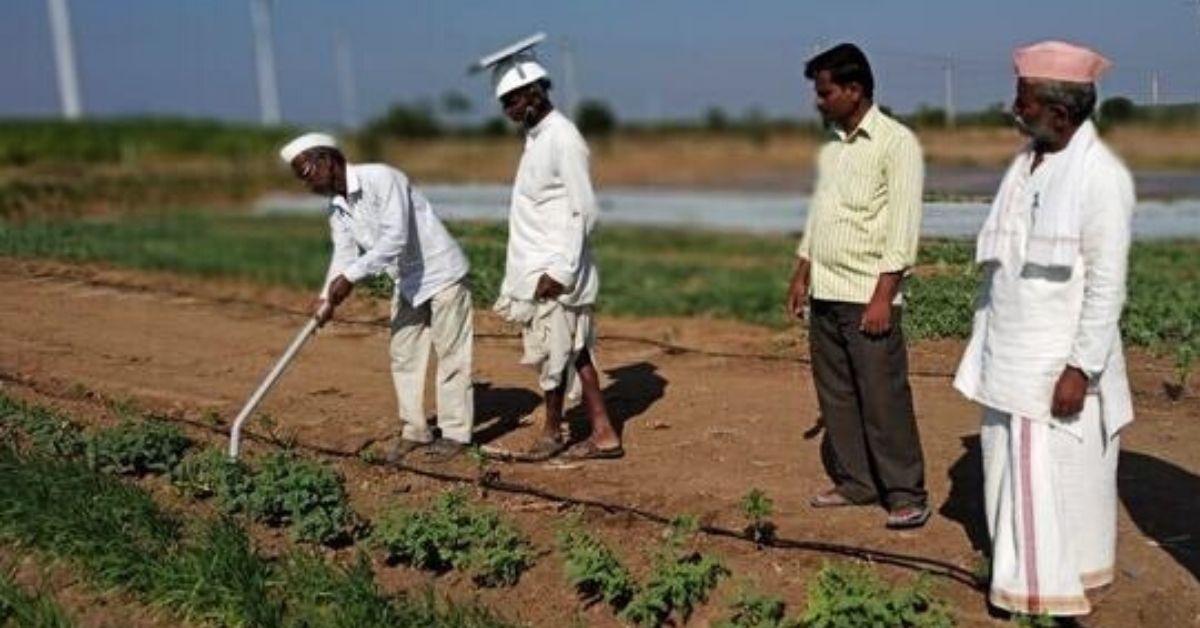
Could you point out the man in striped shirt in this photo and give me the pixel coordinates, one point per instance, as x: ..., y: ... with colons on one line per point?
x: 859, y: 242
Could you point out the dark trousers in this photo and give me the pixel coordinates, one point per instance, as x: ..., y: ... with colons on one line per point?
x: 871, y: 450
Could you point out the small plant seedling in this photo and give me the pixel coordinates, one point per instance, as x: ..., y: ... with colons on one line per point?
x: 371, y: 455
x: 1034, y: 621
x: 1185, y: 355
x: 212, y: 473
x: 750, y: 609
x: 982, y: 571
x: 682, y: 578
x: 213, y: 418
x: 675, y: 586
x: 758, y: 508
x: 593, y: 568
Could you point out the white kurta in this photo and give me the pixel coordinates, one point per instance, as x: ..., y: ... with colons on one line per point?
x: 1032, y: 321
x: 397, y: 232
x: 552, y: 215
x: 1050, y: 484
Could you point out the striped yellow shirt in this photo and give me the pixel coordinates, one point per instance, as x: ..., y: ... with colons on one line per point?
x: 865, y: 215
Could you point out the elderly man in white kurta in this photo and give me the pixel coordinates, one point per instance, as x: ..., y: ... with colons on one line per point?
x: 1045, y: 357
x: 550, y: 279
x: 381, y: 224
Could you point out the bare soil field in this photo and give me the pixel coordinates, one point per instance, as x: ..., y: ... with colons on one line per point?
x: 709, y: 410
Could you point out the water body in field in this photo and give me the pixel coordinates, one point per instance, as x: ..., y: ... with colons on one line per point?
x: 740, y: 211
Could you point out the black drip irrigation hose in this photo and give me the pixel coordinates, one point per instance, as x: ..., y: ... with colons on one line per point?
x: 490, y: 480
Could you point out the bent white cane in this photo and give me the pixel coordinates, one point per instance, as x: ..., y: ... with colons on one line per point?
x: 235, y: 434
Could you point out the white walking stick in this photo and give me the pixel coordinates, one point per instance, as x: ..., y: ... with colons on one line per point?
x: 235, y: 434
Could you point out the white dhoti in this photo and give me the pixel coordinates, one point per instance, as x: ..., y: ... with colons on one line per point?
x: 1051, y: 506
x: 444, y: 322
x: 553, y: 336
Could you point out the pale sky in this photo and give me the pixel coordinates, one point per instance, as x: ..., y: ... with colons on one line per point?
x: 646, y: 58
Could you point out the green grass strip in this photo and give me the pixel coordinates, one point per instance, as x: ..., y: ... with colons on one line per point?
x: 206, y: 571
x: 644, y: 271
x: 19, y: 608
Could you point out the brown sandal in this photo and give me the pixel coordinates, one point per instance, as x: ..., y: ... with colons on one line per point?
x: 587, y: 450
x: 832, y: 498
x: 544, y: 448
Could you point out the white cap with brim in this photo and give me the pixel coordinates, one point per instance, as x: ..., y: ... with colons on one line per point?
x: 308, y: 141
x: 514, y: 66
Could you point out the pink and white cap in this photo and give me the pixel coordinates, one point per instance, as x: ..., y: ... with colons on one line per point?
x: 1060, y: 61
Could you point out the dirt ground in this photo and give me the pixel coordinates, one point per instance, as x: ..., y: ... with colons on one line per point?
x: 710, y: 410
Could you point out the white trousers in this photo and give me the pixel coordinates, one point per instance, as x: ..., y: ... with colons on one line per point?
x: 444, y: 322
x: 1051, y: 502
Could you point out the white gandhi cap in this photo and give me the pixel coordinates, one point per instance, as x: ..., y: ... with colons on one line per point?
x: 514, y: 66
x: 308, y: 141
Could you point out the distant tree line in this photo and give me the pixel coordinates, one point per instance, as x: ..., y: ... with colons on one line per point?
x: 136, y: 139
x: 1118, y: 110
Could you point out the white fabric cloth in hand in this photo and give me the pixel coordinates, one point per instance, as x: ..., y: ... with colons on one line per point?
x: 553, y: 336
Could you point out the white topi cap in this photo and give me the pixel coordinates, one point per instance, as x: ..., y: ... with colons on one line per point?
x: 308, y: 141
x: 513, y: 66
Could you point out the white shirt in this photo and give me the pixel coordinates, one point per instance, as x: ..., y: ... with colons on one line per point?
x: 553, y: 212
x: 1033, y: 321
x: 397, y: 232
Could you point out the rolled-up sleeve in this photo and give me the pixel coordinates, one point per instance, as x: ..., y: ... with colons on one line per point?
x: 393, y: 233
x: 804, y: 249
x: 1108, y: 212
x: 579, y: 218
x: 905, y: 181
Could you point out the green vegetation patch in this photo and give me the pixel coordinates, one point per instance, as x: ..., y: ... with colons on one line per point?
x: 645, y: 271
x: 206, y: 572
x: 306, y: 496
x: 681, y: 580
x: 452, y: 533
x: 593, y: 569
x: 849, y: 594
x: 26, y: 142
x: 137, y: 447
x: 750, y: 609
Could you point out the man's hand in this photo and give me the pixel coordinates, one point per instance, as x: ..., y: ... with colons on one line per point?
x: 1069, y: 393
x: 877, y: 317
x: 797, y: 295
x: 322, y: 311
x: 547, y: 288
x: 339, y: 289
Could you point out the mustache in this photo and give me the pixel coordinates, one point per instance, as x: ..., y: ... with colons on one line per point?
x: 1032, y: 130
